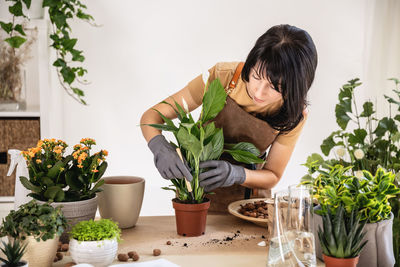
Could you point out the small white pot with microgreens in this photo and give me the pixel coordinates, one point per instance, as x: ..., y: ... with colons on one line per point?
x: 95, y: 242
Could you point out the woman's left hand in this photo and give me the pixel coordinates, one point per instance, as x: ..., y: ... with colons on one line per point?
x: 220, y: 174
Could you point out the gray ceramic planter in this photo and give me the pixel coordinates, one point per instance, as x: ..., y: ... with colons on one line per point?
x: 378, y: 252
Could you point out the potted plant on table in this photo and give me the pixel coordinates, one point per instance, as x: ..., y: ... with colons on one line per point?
x: 335, y: 186
x: 38, y: 227
x: 367, y: 142
x: 200, y: 141
x: 70, y: 181
x: 95, y: 242
x: 341, y: 237
x: 13, y: 252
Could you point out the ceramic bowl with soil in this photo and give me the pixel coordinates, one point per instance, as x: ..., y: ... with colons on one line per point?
x: 255, y: 210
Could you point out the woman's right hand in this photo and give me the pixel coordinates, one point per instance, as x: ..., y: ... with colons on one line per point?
x: 166, y: 159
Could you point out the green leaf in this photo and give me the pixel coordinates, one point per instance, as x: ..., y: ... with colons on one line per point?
x: 213, y: 101
x: 16, y: 9
x: 55, y: 170
x: 51, y: 192
x: 189, y: 142
x: 163, y: 127
x: 19, y: 29
x: 73, y: 181
x: 244, y: 156
x: 244, y: 146
x: 77, y: 55
x: 209, y: 130
x: 59, y: 63
x: 68, y: 74
x: 27, y: 3
x: 69, y: 43
x: 7, y: 27
x: 47, y: 181
x: 78, y: 91
x: 102, y: 169
x: 98, y: 185
x: 15, y: 41
x: 59, y: 196
x: 384, y: 125
x: 342, y: 118
x: 358, y: 137
x: 328, y: 144
x: 217, y: 143
x: 28, y: 185
x: 368, y: 109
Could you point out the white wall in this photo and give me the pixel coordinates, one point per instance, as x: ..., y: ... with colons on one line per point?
x: 147, y: 50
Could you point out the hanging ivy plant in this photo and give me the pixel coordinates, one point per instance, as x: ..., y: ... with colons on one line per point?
x: 69, y: 59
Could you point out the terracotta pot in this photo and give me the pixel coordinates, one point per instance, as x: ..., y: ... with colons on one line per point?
x: 191, y: 218
x: 340, y: 262
x: 121, y: 199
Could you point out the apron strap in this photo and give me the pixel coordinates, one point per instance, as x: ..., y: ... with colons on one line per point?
x: 235, y: 78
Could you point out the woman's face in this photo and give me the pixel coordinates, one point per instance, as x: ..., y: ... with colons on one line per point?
x: 261, y: 90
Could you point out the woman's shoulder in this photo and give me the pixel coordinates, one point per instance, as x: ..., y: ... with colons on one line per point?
x: 223, y: 71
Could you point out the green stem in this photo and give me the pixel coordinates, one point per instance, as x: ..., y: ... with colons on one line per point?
x: 355, y: 107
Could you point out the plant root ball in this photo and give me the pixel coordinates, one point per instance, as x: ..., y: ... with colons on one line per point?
x: 156, y: 252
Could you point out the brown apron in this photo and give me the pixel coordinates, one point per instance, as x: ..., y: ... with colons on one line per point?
x: 239, y: 126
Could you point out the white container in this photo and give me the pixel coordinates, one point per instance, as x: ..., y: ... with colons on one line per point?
x: 98, y: 253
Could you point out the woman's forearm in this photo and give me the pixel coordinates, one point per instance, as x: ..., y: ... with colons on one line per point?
x: 264, y: 179
x: 150, y: 117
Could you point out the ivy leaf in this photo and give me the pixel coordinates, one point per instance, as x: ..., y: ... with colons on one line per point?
x: 213, y: 101
x: 15, y: 41
x: 16, y: 9
x: 368, y: 109
x: 69, y: 43
x: 7, y: 27
x: 358, y: 137
x: 68, y: 74
x: 59, y: 63
x: 78, y: 91
x: 77, y: 55
x: 27, y: 3
x: 19, y: 29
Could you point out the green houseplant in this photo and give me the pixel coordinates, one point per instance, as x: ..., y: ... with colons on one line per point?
x: 341, y: 237
x: 70, y: 181
x: 13, y: 252
x: 14, y: 52
x: 95, y: 242
x: 200, y: 141
x: 68, y: 56
x: 367, y: 142
x: 39, y: 227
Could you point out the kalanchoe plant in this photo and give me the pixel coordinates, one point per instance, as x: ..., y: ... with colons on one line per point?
x: 201, y: 140
x: 342, y: 234
x: 56, y: 177
x: 13, y: 252
x: 43, y: 222
x: 103, y: 229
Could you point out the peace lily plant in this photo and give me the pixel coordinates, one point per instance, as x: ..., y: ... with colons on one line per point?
x: 200, y: 140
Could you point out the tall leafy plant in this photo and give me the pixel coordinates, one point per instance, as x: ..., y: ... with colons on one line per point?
x: 200, y: 140
x: 69, y: 73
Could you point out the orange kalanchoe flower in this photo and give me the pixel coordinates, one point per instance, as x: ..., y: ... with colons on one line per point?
x: 95, y: 171
x: 105, y: 152
x: 38, y: 161
x: 80, y: 166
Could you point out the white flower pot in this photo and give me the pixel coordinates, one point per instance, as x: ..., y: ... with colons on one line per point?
x: 97, y: 253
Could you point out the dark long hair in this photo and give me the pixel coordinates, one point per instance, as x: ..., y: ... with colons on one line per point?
x: 288, y: 58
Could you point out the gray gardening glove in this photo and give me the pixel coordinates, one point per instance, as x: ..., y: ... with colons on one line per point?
x: 220, y: 174
x: 167, y: 161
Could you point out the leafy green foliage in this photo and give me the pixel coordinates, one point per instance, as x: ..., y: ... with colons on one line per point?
x: 43, y: 222
x: 13, y: 252
x: 59, y: 178
x: 103, y: 229
x: 13, y: 29
x: 334, y: 187
x: 378, y: 139
x: 60, y: 13
x: 342, y: 234
x: 201, y: 140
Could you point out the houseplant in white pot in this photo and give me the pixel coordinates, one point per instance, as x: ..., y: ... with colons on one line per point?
x: 13, y: 252
x: 70, y: 181
x: 200, y: 141
x: 94, y: 242
x: 368, y: 142
x: 39, y: 227
x: 341, y: 237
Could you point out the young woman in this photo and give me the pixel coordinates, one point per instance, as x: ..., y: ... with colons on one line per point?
x: 266, y: 106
